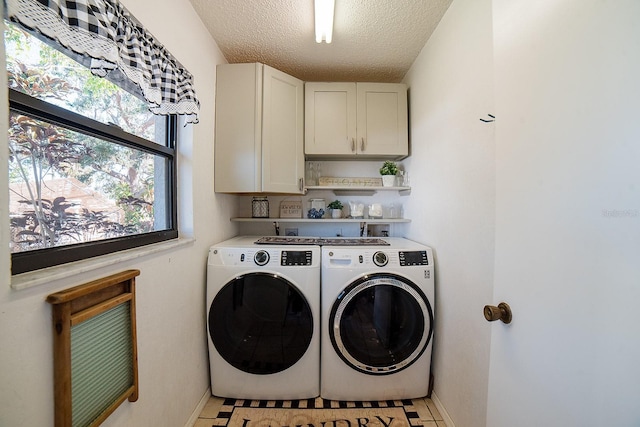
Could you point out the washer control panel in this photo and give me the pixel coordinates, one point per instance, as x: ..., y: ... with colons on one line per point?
x: 265, y: 257
x: 294, y: 258
x: 411, y: 258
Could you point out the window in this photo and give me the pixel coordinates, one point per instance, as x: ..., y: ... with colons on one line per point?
x: 91, y: 170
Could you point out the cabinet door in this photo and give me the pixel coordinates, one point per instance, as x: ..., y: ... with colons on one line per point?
x: 382, y: 120
x: 282, y: 132
x: 330, y: 119
x: 238, y: 128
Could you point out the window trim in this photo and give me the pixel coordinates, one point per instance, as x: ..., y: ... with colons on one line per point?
x: 27, y: 261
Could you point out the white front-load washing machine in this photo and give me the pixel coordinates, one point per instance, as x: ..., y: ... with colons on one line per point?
x: 377, y: 321
x: 263, y: 317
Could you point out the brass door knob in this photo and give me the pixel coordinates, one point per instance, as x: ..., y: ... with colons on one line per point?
x: 501, y: 312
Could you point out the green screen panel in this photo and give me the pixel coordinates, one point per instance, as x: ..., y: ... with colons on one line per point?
x: 101, y: 363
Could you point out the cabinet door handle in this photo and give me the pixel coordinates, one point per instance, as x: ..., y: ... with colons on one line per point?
x: 362, y: 145
x: 353, y: 144
x: 301, y: 184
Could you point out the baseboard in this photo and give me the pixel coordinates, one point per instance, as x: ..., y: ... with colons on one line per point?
x: 443, y: 412
x: 196, y: 412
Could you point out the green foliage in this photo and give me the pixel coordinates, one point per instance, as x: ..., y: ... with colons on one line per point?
x: 40, y: 151
x: 49, y: 74
x: 37, y: 149
x: 35, y: 83
x: 389, y: 168
x: 336, y: 204
x: 136, y: 210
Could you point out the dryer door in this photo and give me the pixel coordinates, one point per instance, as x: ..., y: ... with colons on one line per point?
x: 381, y: 324
x: 260, y: 323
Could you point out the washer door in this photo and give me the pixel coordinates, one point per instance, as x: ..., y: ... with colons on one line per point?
x: 260, y: 323
x: 381, y: 324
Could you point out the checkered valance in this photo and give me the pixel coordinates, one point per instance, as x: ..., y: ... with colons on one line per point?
x: 105, y: 31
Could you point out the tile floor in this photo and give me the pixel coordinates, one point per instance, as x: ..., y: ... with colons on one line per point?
x: 420, y: 412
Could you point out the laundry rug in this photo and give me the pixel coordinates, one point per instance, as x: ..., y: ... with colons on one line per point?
x: 267, y: 417
x: 316, y: 413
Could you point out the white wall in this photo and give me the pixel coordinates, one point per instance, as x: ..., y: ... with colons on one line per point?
x: 173, y: 363
x: 452, y: 172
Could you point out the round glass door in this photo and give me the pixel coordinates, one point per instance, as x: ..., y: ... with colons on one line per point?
x: 381, y: 324
x: 260, y: 323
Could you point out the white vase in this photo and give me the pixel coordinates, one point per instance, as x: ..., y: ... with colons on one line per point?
x: 388, y: 180
x: 336, y: 213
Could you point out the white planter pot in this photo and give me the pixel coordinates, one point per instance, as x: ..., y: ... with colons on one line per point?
x: 388, y: 180
x: 336, y: 213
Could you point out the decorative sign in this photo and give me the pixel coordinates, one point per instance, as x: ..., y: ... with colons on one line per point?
x: 291, y: 209
x: 350, y: 182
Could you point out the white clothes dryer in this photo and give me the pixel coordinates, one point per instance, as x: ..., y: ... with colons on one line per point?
x: 377, y: 321
x: 263, y: 316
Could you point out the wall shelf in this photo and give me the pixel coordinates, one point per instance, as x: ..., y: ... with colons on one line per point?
x: 358, y: 191
x: 326, y: 220
x: 363, y: 222
x: 338, y: 190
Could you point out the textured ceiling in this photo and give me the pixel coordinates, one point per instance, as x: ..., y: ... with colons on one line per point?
x: 373, y: 40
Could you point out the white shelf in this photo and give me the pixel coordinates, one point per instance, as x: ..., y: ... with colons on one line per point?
x: 358, y: 191
x: 326, y: 220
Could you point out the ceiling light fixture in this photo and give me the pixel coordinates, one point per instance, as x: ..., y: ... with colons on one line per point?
x: 324, y: 20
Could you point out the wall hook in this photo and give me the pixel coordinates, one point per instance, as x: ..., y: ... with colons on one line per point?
x: 492, y: 119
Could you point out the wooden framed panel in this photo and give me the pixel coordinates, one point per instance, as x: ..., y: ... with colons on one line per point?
x: 95, y: 350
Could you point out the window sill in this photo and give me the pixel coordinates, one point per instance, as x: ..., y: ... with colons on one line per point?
x: 47, y: 275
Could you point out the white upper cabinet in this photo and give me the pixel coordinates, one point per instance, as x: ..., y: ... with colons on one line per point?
x: 382, y: 126
x: 356, y: 120
x: 330, y: 119
x: 259, y: 132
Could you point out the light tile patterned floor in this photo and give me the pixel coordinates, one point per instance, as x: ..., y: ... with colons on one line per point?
x: 420, y: 412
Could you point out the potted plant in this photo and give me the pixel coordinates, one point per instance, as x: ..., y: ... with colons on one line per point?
x: 336, y: 209
x: 388, y: 171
